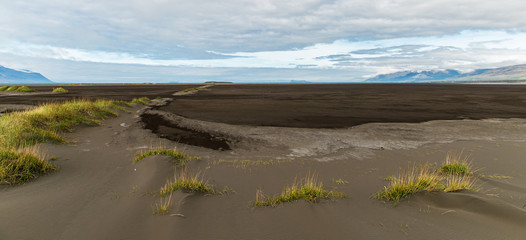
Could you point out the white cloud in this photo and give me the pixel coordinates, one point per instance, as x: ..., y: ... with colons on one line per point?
x: 464, y: 51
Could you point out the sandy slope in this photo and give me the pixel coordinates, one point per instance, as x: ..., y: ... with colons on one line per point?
x: 99, y: 193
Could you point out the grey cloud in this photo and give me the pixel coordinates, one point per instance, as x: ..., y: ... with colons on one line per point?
x: 160, y: 28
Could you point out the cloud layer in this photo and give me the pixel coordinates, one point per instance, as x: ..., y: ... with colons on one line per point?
x: 363, y: 36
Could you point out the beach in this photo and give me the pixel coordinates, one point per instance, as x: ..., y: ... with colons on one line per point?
x: 257, y: 136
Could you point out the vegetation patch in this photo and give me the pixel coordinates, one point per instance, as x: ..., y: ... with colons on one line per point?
x: 60, y: 90
x: 142, y: 100
x: 12, y: 88
x: 419, y: 178
x: 456, y: 164
x: 163, y: 206
x: 194, y: 89
x: 20, y: 130
x: 25, y: 89
x: 188, y: 182
x: 415, y: 178
x: 179, y: 157
x: 308, y: 188
x: 19, y: 166
x: 456, y: 183
x: 3, y: 88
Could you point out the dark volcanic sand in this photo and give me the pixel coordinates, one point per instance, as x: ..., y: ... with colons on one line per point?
x: 345, y: 105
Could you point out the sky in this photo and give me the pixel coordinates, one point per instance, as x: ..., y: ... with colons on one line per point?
x: 103, y: 41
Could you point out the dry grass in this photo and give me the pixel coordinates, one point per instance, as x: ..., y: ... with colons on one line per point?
x: 188, y: 182
x: 22, y: 165
x: 163, y: 206
x: 308, y: 188
x: 420, y: 177
x: 415, y: 178
x: 459, y: 182
x: 142, y: 100
x: 179, y: 157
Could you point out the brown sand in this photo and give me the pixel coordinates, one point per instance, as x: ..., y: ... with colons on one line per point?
x: 98, y: 193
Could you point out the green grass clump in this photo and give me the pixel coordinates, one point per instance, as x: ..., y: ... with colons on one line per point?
x: 19, y: 166
x: 188, y: 182
x: 416, y: 178
x: 3, y: 88
x: 308, y: 188
x: 60, y: 90
x: 179, y: 157
x: 142, y: 100
x: 25, y: 89
x: 12, y: 88
x: 456, y: 164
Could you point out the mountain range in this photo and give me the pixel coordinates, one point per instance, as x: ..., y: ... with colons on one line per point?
x: 509, y: 74
x: 11, y: 76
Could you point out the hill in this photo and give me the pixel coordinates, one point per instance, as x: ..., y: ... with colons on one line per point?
x: 515, y: 73
x: 11, y: 76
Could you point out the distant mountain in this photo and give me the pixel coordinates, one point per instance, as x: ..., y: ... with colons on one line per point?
x: 415, y: 76
x: 11, y: 76
x: 514, y: 73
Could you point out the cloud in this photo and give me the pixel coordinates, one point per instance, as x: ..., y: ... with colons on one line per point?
x: 465, y: 51
x: 364, y: 37
x: 157, y: 27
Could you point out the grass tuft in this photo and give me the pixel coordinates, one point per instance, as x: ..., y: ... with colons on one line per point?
x: 163, y: 206
x: 456, y: 164
x: 25, y: 89
x: 3, y: 88
x: 456, y: 183
x: 308, y: 188
x: 22, y: 165
x: 60, y: 90
x: 142, y: 100
x: 179, y: 157
x: 188, y: 182
x: 415, y: 178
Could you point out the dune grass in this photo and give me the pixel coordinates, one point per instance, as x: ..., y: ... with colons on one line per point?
x: 307, y: 188
x: 456, y: 183
x: 188, y: 182
x: 416, y: 178
x: 44, y: 123
x: 420, y: 177
x: 163, y: 206
x: 142, y: 100
x: 456, y: 164
x: 3, y: 88
x: 25, y: 89
x: 60, y: 90
x: 179, y: 157
x: 22, y: 165
x: 21, y: 130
